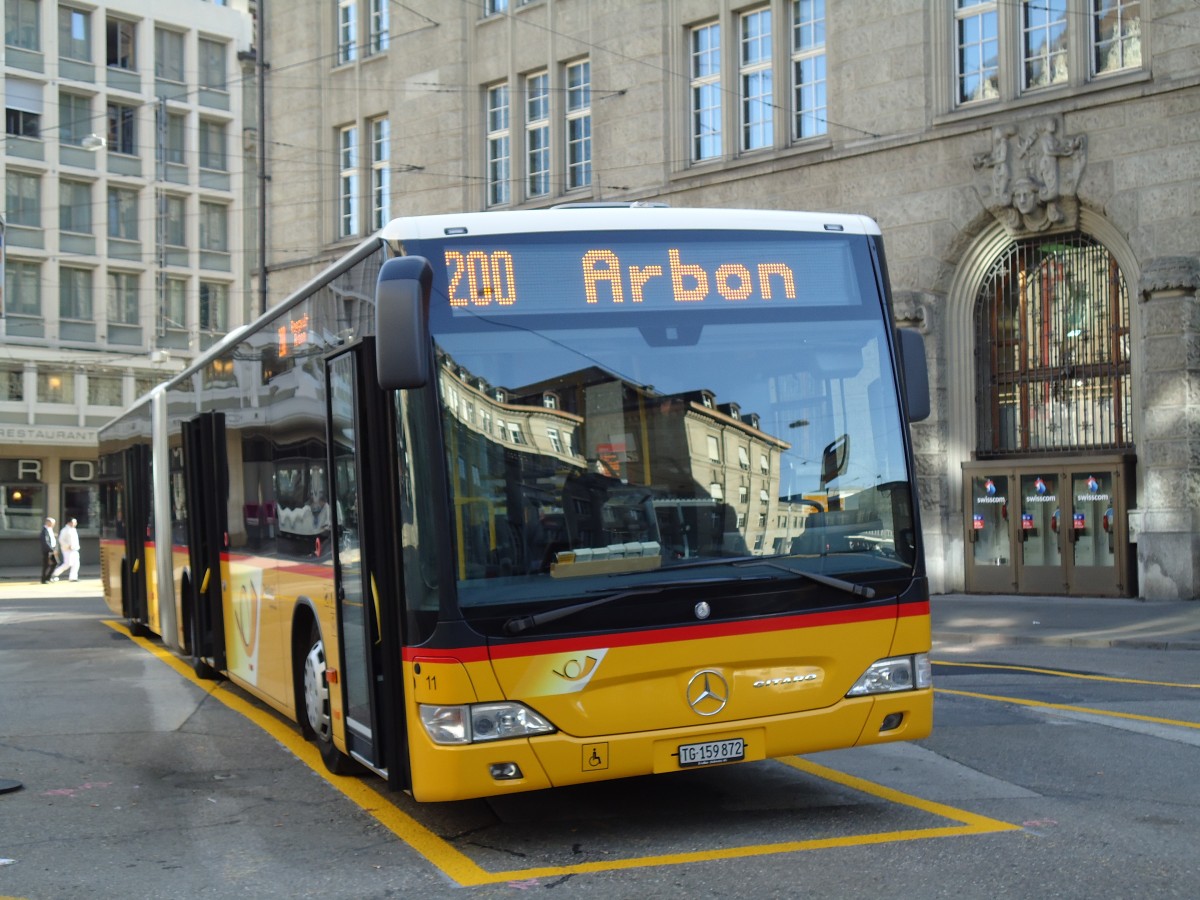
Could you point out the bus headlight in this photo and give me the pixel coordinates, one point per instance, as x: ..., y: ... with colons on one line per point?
x: 897, y: 673
x: 476, y: 722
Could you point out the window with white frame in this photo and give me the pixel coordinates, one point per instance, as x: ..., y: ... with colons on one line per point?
x: 347, y: 181
x: 579, y: 124
x: 808, y: 68
x: 1005, y: 49
x: 75, y: 293
x: 104, y: 390
x: 537, y: 134
x: 22, y: 108
x: 123, y: 298
x: 75, y: 206
x: 74, y: 118
x: 23, y: 199
x: 491, y: 7
x: 74, y: 34
x: 168, y: 54
x: 22, y: 24
x: 174, y: 220
x: 212, y: 64
x: 212, y: 141
x: 174, y: 146
x: 214, y: 227
x: 56, y: 386
x: 381, y: 173
x: 498, y: 145
x: 214, y: 306
x: 22, y: 288
x: 347, y: 27
x: 122, y: 129
x: 377, y: 30
x: 705, y: 86
x: 175, y: 302
x: 121, y: 44
x: 754, y: 70
x: 123, y: 213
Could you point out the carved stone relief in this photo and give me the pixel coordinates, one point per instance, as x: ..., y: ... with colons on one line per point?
x: 1029, y: 177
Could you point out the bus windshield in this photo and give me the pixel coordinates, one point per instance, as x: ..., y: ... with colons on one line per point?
x: 619, y: 405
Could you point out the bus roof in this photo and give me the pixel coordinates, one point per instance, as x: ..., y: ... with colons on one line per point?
x: 588, y: 217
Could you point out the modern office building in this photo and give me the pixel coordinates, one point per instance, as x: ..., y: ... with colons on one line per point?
x: 124, y: 230
x: 1034, y: 166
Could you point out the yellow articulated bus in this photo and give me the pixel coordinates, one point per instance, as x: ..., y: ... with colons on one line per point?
x: 511, y: 500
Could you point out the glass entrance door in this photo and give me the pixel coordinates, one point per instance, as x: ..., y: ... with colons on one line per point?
x: 1059, y: 526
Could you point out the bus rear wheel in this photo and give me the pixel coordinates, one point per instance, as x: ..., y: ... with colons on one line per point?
x: 317, y: 722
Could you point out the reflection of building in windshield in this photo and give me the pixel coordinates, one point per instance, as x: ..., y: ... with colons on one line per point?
x: 589, y: 460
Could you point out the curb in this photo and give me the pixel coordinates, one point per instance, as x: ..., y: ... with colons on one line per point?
x: 994, y: 640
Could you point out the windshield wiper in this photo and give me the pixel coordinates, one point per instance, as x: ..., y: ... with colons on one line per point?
x: 517, y: 624
x: 858, y: 590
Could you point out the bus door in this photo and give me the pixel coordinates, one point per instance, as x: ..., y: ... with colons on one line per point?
x: 135, y: 604
x: 362, y: 469
x: 205, y: 473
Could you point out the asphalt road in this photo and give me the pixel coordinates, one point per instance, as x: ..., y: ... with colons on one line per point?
x: 1065, y: 771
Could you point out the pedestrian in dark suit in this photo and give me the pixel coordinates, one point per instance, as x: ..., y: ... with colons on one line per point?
x: 49, y: 550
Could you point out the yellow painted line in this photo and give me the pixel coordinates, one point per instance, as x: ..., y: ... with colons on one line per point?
x: 467, y: 873
x: 1041, y: 704
x: 1065, y: 674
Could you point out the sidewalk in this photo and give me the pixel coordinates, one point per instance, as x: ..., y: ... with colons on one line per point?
x: 979, y: 619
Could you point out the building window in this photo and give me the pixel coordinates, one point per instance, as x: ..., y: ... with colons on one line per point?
x: 56, y: 386
x: 214, y: 228
x: 12, y: 384
x: 74, y: 34
x: 537, y: 135
x: 706, y: 91
x: 123, y: 298
x: 122, y: 129
x: 347, y: 26
x: 754, y: 71
x: 121, y: 44
x: 168, y: 55
x: 22, y: 123
x: 555, y: 440
x: 74, y: 118
x: 75, y: 206
x: 1005, y: 49
x: 175, y: 303
x: 743, y: 457
x: 1116, y: 35
x: 214, y: 303
x: 491, y: 7
x: 1052, y: 328
x: 714, y: 449
x: 212, y: 63
x: 22, y: 289
x: 743, y: 494
x: 808, y: 68
x: 498, y: 145
x: 174, y: 143
x: 23, y: 199
x: 381, y: 173
x: 377, y: 35
x: 1044, y: 42
x: 347, y: 181
x: 104, y: 390
x: 123, y: 213
x: 579, y: 125
x: 75, y: 294
x: 212, y: 141
x: 22, y: 24
x: 174, y: 221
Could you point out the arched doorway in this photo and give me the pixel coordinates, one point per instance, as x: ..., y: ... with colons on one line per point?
x: 1051, y: 477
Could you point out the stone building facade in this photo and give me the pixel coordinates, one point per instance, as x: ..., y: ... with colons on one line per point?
x: 1034, y: 167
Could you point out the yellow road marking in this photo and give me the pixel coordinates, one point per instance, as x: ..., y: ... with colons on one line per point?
x: 1063, y: 674
x: 1041, y: 704
x: 467, y: 873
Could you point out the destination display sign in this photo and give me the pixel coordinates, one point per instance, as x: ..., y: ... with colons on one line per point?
x: 630, y: 271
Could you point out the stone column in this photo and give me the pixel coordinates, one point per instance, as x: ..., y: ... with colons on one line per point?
x: 1166, y: 524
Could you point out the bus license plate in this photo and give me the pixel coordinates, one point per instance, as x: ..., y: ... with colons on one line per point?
x: 711, y: 752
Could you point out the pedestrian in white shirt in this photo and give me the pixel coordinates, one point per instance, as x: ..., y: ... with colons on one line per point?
x: 68, y: 542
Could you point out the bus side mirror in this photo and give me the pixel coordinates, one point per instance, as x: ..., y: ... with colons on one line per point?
x: 402, y: 351
x: 916, y: 374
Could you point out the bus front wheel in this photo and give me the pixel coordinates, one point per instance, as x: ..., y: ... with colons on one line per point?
x: 317, y: 720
